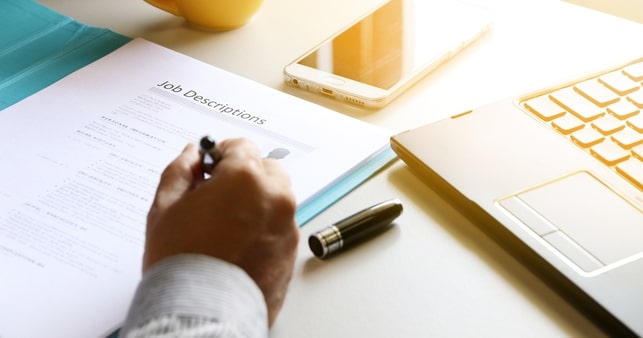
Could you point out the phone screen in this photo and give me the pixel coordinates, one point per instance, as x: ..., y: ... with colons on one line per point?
x: 396, y: 41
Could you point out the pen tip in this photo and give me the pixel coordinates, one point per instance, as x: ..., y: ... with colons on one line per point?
x: 207, y: 143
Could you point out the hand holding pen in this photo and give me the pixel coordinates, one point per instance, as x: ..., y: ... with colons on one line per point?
x: 244, y: 214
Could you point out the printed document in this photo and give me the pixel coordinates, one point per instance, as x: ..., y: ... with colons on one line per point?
x: 82, y: 158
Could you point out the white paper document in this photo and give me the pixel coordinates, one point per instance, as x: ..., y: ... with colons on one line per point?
x: 81, y: 160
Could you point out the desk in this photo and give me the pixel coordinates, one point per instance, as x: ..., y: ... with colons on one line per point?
x: 435, y: 273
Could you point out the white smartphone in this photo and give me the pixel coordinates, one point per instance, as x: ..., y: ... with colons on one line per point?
x: 383, y: 53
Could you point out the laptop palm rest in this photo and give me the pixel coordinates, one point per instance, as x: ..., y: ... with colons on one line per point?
x: 571, y: 215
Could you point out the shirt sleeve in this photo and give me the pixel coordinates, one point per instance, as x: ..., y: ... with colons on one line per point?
x: 195, y: 295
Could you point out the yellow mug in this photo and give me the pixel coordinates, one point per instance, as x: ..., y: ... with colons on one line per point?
x: 211, y: 14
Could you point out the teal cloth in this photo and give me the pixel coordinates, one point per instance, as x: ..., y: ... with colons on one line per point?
x: 39, y: 46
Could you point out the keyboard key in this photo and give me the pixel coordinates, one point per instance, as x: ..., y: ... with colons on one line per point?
x: 587, y: 137
x: 609, y: 153
x: 608, y: 124
x: 544, y: 108
x: 632, y: 169
x: 635, y: 71
x: 619, y: 82
x: 567, y: 124
x: 636, y: 123
x: 638, y: 152
x: 597, y: 93
x: 602, y: 115
x: 576, y: 104
x: 628, y: 138
x: 623, y: 109
x: 636, y: 98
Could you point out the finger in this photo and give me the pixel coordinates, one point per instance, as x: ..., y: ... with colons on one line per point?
x: 237, y: 154
x: 242, y: 155
x: 281, y: 189
x: 277, y: 174
x: 274, y: 168
x: 180, y: 176
x: 240, y: 149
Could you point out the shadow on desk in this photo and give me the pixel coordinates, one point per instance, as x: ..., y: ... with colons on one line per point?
x: 176, y: 33
x: 372, y: 246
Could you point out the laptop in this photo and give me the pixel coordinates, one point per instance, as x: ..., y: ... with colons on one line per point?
x: 556, y: 177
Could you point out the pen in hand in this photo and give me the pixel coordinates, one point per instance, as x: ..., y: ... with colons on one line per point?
x: 210, y: 155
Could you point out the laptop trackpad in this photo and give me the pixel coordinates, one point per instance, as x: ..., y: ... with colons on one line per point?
x: 582, y: 218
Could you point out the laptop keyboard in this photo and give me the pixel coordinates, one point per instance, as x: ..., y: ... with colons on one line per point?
x: 602, y: 115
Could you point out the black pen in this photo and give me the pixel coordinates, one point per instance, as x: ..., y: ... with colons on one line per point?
x: 354, y: 228
x: 210, y: 155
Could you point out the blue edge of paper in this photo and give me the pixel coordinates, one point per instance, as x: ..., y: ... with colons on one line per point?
x: 43, y: 46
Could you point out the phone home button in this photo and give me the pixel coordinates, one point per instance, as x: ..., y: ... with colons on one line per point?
x: 334, y: 80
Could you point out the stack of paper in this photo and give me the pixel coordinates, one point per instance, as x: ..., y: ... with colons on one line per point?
x: 82, y: 157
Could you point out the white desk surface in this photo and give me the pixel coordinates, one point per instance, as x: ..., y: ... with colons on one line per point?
x: 434, y: 273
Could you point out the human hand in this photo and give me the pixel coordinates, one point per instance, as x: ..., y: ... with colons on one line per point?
x: 243, y: 214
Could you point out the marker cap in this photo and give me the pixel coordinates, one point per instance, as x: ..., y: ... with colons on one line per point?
x: 354, y: 228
